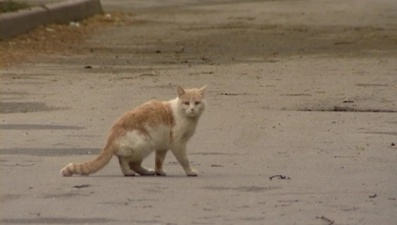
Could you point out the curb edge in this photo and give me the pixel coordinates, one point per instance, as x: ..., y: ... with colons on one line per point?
x: 15, y: 23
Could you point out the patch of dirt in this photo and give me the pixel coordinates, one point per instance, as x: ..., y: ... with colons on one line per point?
x: 258, y: 42
x: 54, y: 38
x: 163, y: 42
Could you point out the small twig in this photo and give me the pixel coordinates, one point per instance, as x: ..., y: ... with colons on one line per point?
x: 82, y: 186
x: 330, y: 222
x: 344, y: 156
x: 373, y: 196
x: 229, y: 93
x: 282, y: 177
x: 216, y: 165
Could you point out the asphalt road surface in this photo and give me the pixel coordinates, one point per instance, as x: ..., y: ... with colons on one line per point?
x: 301, y: 124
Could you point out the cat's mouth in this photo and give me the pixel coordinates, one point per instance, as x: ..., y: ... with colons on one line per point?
x: 192, y: 113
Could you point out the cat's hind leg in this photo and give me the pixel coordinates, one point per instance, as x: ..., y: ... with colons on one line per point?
x: 137, y: 167
x: 125, y: 167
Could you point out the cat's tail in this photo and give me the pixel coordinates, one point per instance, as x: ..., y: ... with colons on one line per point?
x: 91, y: 166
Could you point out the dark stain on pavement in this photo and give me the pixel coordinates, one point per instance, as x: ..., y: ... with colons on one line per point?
x: 25, y: 107
x: 38, y: 127
x: 65, y: 195
x: 49, y: 151
x: 55, y: 220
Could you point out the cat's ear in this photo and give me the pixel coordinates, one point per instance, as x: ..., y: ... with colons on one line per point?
x: 202, y: 90
x: 180, y: 91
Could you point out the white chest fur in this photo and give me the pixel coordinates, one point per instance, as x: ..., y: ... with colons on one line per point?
x: 184, y: 127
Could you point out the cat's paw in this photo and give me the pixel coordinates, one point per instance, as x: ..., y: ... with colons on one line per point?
x: 148, y: 172
x: 192, y: 173
x: 161, y: 173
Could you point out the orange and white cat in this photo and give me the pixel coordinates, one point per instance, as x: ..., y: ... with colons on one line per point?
x: 155, y: 126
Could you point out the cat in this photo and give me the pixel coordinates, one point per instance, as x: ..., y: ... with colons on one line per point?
x: 156, y: 126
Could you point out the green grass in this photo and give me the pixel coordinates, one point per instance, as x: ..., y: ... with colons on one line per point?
x: 12, y: 6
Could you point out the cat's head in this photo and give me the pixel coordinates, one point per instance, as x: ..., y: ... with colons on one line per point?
x: 191, y: 102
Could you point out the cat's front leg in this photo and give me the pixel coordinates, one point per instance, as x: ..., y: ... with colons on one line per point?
x: 159, y: 161
x: 180, y: 154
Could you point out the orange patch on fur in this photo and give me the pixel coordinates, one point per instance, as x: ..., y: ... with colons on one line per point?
x: 150, y: 114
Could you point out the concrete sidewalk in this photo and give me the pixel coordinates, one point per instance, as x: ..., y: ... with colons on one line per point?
x: 299, y: 88
x: 46, y: 12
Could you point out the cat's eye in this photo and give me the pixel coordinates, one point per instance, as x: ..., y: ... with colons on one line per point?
x: 197, y: 103
x: 186, y: 103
